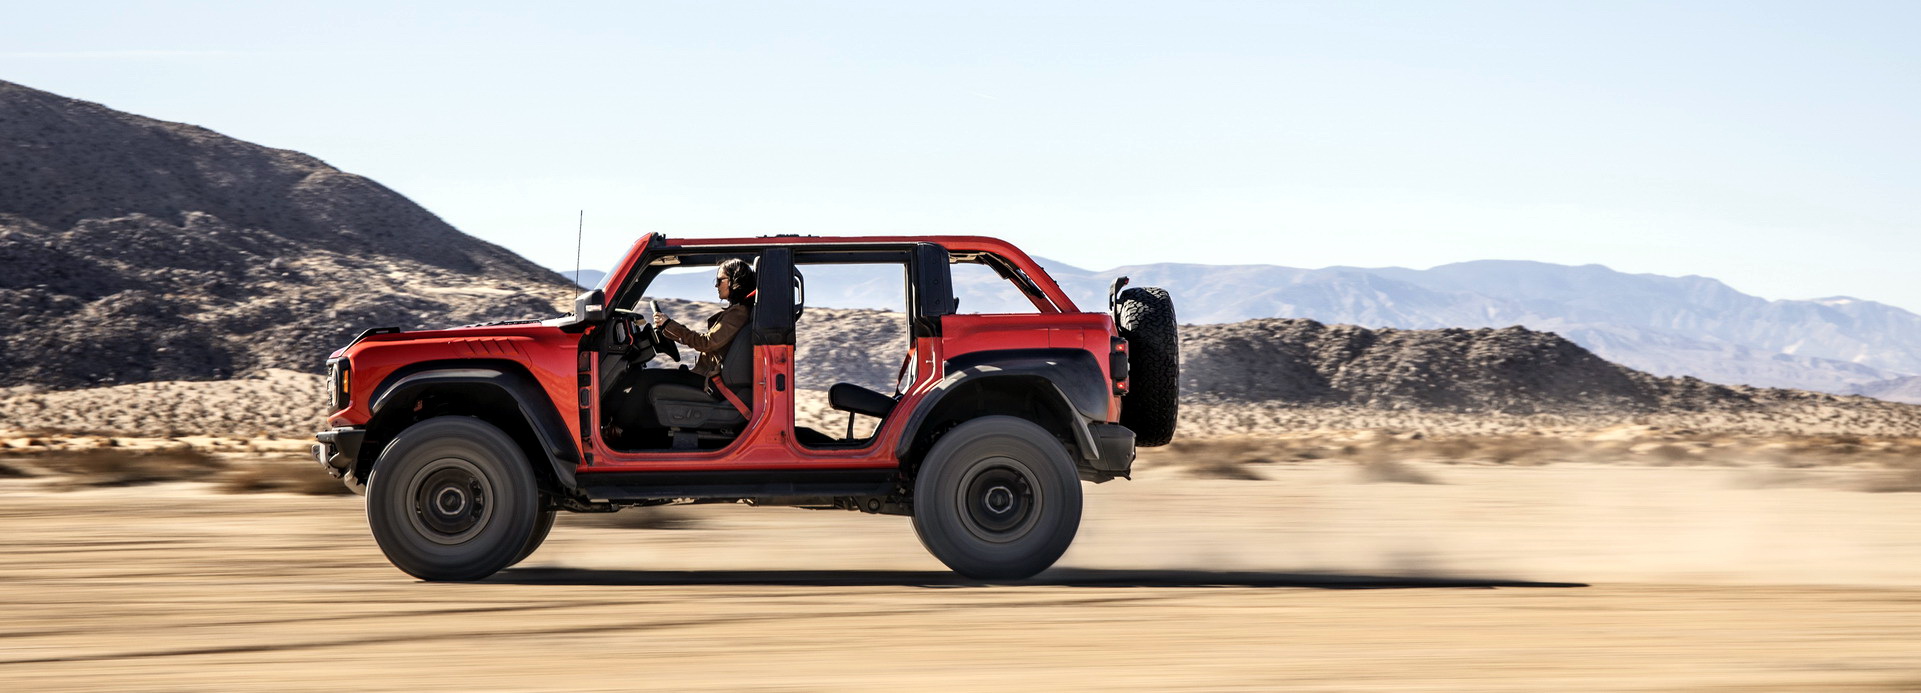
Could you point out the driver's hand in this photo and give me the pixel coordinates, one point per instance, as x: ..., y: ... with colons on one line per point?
x: 660, y: 320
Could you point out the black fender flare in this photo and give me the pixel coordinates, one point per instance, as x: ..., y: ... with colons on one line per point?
x: 532, y: 401
x: 1073, y: 377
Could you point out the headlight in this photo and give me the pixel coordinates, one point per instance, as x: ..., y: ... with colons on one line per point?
x: 338, y: 383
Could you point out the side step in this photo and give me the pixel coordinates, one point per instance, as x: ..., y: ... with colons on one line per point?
x: 735, y: 485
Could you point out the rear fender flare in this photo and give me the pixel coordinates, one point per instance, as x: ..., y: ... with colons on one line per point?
x: 1069, y: 378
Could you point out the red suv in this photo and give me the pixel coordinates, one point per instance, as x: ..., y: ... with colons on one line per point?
x: 467, y: 441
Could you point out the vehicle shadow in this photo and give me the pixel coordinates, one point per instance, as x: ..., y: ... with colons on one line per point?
x: 1060, y: 577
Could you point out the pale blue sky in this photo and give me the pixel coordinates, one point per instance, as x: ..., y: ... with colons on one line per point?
x: 1776, y: 146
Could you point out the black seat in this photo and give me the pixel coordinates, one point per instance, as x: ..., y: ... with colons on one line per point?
x: 694, y: 415
x: 855, y: 399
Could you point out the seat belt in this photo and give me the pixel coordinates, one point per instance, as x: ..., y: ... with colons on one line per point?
x: 728, y: 392
x: 732, y: 398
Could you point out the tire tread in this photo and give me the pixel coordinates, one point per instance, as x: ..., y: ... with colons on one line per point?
x: 1145, y: 316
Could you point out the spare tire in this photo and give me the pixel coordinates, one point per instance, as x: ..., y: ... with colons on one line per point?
x: 1145, y: 315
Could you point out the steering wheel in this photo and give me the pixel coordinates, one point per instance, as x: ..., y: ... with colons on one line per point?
x: 629, y: 330
x: 662, y: 344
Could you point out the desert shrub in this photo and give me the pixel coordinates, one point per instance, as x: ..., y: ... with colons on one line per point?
x: 1511, y: 449
x: 101, y: 467
x: 1379, y: 471
x: 1228, y: 458
x: 1906, y: 480
x: 1452, y: 449
x: 255, y: 479
x: 1668, y: 453
x: 1898, y: 482
x: 272, y: 477
x: 1222, y: 468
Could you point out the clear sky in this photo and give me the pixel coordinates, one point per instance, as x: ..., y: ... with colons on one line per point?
x: 1776, y: 146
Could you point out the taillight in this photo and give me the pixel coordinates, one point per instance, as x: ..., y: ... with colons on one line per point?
x: 1117, y: 363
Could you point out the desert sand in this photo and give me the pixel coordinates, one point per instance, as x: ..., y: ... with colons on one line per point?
x: 1310, y: 575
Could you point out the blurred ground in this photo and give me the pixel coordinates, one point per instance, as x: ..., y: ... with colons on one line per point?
x: 1322, y: 576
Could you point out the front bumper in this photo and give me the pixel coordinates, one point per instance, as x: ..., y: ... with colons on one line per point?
x: 336, y: 452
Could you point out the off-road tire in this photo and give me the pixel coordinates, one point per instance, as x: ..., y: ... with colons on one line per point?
x: 1145, y: 316
x: 543, y: 523
x: 452, y: 498
x: 997, y: 498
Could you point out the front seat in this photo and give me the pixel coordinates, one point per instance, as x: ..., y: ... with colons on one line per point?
x: 692, y: 415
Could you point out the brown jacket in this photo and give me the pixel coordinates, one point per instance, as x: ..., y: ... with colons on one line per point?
x: 721, y: 329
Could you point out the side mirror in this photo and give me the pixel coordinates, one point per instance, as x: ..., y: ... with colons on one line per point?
x: 591, y: 306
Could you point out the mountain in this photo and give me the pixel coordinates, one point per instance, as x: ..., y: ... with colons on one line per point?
x: 1670, y: 326
x: 1511, y: 370
x: 586, y: 279
x: 1906, y: 389
x: 134, y: 249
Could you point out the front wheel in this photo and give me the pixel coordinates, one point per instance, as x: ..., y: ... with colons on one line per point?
x: 452, y: 498
x: 997, y: 499
x: 543, y: 523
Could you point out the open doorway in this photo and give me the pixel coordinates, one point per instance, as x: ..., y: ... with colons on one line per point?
x: 863, y: 347
x: 657, y: 395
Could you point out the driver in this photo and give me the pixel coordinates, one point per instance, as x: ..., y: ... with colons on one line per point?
x: 734, y: 283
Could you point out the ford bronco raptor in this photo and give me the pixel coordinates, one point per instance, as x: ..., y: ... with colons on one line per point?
x: 468, y: 441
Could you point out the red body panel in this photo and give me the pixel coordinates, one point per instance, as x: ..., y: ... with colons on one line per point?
x: 768, y: 442
x: 989, y: 331
x: 546, y: 352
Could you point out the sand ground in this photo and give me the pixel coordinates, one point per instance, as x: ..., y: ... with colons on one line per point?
x: 1693, y: 579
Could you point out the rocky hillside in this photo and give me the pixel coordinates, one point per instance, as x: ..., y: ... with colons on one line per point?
x: 1511, y: 370
x: 133, y: 249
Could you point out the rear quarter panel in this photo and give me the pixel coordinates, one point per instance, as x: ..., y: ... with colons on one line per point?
x: 1092, y: 332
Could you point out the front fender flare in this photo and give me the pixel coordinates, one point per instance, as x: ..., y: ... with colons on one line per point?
x: 532, y: 401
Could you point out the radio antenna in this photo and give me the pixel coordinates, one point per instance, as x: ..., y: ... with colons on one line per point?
x: 580, y: 231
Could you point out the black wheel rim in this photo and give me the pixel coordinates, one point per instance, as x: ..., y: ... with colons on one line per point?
x: 451, y: 501
x: 997, y: 500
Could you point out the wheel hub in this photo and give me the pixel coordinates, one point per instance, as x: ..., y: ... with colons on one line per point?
x: 998, y: 502
x: 1000, y: 499
x: 451, y: 501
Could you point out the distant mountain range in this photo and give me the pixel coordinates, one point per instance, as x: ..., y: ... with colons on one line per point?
x: 1897, y: 390
x: 1674, y: 326
x: 586, y: 279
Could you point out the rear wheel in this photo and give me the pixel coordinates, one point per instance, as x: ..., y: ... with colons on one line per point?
x: 452, y: 498
x: 997, y: 498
